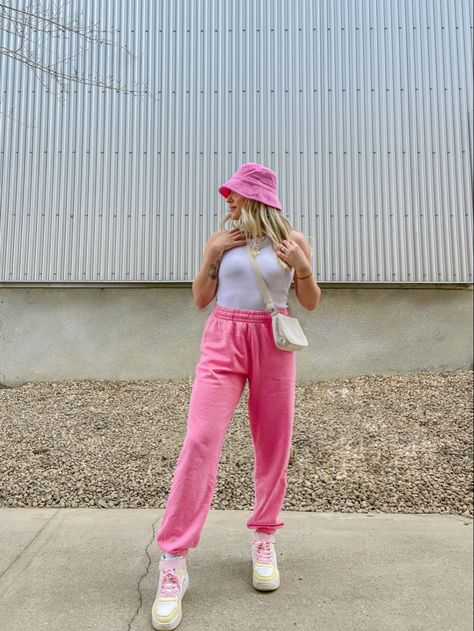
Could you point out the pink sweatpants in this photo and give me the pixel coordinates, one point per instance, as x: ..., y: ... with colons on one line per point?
x: 236, y: 344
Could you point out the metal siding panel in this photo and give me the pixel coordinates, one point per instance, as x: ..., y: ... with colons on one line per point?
x: 364, y: 109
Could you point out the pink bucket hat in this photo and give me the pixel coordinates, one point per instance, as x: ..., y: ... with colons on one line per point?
x: 254, y: 181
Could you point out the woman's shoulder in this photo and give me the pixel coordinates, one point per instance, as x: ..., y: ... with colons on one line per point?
x: 297, y: 236
x: 301, y: 240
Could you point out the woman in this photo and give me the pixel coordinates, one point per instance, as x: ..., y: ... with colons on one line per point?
x: 237, y: 343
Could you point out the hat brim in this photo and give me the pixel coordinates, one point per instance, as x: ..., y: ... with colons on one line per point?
x: 233, y: 185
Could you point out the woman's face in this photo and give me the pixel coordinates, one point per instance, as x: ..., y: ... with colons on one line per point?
x: 235, y: 202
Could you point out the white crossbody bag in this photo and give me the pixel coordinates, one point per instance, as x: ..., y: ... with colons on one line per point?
x: 287, y: 331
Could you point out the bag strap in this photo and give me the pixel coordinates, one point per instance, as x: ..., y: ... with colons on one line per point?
x: 261, y: 283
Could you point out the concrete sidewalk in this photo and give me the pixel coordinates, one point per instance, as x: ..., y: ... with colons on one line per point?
x: 93, y: 569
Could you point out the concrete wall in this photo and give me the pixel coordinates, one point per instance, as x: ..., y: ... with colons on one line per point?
x: 54, y: 333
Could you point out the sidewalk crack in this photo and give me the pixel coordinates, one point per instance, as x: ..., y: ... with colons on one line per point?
x: 147, y: 569
x: 30, y: 545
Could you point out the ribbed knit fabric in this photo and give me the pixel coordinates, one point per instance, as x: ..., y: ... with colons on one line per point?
x: 237, y: 284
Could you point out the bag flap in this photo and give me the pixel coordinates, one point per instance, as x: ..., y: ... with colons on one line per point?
x: 290, y: 328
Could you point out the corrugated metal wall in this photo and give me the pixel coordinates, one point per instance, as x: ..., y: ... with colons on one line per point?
x: 363, y: 107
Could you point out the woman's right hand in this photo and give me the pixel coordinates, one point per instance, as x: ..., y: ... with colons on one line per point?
x: 225, y: 240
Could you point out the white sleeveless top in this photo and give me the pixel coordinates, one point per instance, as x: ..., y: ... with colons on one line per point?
x: 237, y: 286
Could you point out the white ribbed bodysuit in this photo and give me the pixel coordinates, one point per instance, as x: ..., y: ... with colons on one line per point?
x: 237, y: 286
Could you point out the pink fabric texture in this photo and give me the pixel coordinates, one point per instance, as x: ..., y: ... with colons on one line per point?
x: 254, y: 181
x: 236, y: 345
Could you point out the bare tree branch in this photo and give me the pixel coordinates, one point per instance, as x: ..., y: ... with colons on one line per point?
x: 26, y: 35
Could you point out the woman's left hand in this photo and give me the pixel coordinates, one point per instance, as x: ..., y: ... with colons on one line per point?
x: 292, y: 254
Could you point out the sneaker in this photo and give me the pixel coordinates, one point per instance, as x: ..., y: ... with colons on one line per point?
x: 166, y: 612
x: 266, y: 576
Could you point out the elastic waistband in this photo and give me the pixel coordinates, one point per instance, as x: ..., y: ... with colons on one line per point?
x: 246, y: 315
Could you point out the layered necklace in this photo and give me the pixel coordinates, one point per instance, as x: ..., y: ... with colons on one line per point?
x: 256, y: 245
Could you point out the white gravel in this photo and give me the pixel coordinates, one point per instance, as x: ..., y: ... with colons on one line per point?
x: 392, y: 443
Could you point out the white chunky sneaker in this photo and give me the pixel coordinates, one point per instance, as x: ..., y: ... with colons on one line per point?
x: 266, y: 576
x: 166, y: 612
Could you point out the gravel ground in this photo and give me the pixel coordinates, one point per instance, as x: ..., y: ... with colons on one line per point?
x: 391, y: 443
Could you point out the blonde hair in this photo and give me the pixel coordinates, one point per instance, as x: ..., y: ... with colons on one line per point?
x: 256, y: 219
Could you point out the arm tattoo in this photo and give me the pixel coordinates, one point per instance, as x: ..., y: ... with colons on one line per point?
x: 214, y: 269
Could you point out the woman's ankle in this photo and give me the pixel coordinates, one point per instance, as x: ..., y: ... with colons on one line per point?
x: 170, y: 555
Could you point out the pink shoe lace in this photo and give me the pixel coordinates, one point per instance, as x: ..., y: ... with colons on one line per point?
x: 264, y: 552
x: 170, y: 583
